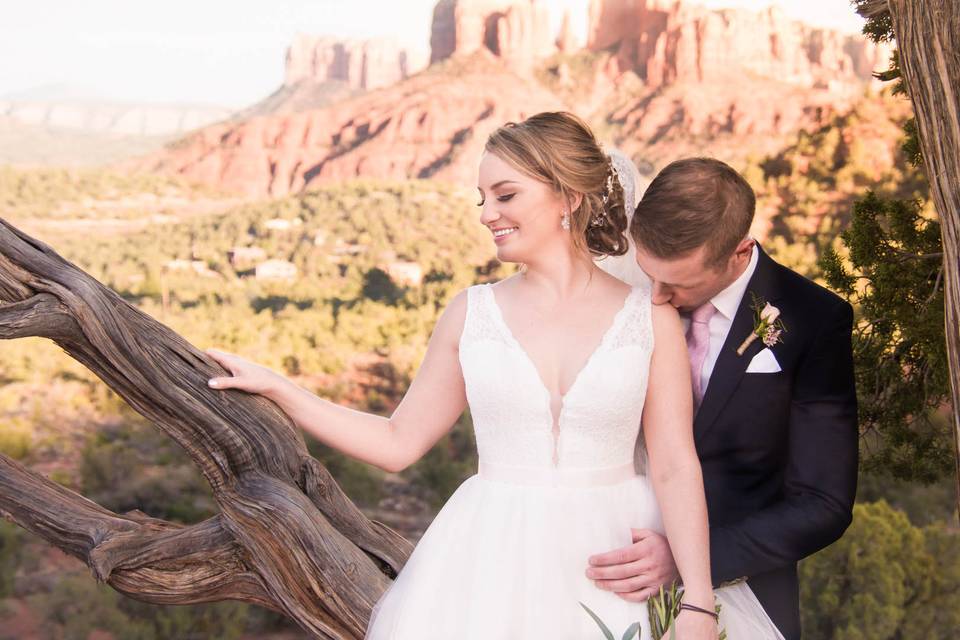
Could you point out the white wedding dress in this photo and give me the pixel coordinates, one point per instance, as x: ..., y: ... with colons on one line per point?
x: 505, y: 557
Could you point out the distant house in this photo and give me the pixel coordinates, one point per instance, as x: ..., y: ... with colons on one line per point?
x: 276, y: 270
x: 343, y: 251
x: 282, y: 224
x: 198, y: 267
x: 178, y: 265
x: 245, y: 257
x: 408, y: 273
x: 342, y: 248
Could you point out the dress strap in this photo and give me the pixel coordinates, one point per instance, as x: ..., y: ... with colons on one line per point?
x: 636, y: 327
x: 480, y: 323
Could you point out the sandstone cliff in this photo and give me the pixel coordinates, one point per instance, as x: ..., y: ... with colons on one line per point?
x: 669, y: 42
x: 433, y: 125
x: 656, y: 78
x: 515, y: 30
x: 361, y: 64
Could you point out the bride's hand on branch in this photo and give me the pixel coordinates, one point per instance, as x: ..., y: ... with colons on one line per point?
x: 244, y: 375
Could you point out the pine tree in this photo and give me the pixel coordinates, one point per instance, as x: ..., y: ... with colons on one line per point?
x: 902, y: 272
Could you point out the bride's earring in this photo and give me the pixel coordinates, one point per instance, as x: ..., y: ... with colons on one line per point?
x: 565, y: 220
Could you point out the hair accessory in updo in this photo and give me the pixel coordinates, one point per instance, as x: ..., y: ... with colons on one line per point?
x: 600, y: 219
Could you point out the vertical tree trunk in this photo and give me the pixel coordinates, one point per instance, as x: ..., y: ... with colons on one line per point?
x: 928, y: 40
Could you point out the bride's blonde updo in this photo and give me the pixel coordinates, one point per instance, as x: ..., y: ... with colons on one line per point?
x: 559, y: 149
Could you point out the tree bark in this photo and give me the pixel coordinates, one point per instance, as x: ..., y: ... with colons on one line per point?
x: 928, y: 41
x: 286, y: 537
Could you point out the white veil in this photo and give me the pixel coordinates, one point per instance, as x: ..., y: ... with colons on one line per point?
x: 625, y: 267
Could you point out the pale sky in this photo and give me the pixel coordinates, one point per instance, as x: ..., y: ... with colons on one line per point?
x: 228, y: 52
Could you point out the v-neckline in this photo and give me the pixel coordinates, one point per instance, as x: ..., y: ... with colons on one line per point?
x: 556, y: 419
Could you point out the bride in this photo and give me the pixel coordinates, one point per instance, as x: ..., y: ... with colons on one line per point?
x: 562, y: 366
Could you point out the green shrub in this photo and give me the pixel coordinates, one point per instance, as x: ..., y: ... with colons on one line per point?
x: 11, y: 547
x: 16, y: 437
x: 363, y: 483
x: 885, y: 579
x: 135, y: 466
x: 77, y: 606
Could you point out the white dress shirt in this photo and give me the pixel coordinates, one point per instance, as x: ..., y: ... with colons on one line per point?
x: 727, y: 302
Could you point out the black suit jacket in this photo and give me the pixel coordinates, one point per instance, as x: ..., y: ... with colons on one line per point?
x: 779, y: 450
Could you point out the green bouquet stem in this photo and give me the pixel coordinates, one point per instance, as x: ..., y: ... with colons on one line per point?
x: 662, y: 610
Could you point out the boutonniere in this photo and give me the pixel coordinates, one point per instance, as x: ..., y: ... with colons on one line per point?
x: 767, y: 324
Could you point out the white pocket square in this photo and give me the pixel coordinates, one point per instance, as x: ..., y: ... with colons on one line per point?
x: 764, y: 362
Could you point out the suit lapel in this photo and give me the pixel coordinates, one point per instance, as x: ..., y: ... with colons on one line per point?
x: 730, y: 367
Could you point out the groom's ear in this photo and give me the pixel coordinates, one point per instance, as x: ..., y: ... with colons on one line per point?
x: 745, y: 248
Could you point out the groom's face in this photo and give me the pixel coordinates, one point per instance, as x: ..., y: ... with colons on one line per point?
x: 685, y: 282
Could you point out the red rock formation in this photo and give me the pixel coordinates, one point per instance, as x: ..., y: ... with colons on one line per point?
x: 516, y: 30
x: 362, y: 64
x: 566, y: 40
x: 434, y: 125
x: 691, y: 80
x: 660, y: 78
x: 670, y: 42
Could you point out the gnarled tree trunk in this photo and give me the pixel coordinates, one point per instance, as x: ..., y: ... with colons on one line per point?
x: 286, y: 536
x: 928, y: 41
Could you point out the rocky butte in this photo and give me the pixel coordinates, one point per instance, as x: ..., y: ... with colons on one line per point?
x: 657, y: 79
x: 361, y: 64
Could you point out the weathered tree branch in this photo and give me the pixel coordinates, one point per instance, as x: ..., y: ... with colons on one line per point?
x: 286, y: 537
x: 40, y: 316
x: 145, y: 558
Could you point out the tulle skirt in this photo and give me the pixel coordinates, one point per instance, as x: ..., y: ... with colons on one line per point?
x: 506, y: 556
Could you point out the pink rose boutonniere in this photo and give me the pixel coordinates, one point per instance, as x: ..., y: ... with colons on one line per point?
x: 767, y: 325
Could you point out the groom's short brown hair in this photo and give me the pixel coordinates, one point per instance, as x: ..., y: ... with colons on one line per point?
x: 691, y: 203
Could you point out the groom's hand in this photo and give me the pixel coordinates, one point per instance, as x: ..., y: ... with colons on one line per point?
x: 635, y: 572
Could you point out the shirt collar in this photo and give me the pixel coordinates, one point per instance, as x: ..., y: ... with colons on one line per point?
x: 728, y: 301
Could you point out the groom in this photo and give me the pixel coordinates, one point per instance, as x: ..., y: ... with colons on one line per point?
x: 776, y: 426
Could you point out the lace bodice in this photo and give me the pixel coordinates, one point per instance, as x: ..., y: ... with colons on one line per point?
x: 599, y: 419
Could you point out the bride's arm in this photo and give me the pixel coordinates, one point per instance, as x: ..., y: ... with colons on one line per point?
x: 674, y: 468
x: 431, y: 406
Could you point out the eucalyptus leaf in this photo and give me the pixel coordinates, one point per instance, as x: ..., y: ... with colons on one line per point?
x: 631, y: 630
x: 606, y: 631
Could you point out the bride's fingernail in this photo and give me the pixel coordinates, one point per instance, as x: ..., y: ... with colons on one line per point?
x: 212, y: 382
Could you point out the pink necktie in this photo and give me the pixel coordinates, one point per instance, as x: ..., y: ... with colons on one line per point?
x: 698, y: 343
